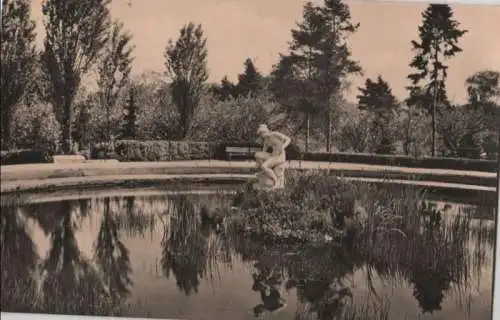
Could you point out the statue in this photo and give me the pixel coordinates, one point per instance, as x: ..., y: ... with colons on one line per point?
x: 271, y: 160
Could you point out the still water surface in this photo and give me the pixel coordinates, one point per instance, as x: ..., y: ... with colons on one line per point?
x: 155, y: 253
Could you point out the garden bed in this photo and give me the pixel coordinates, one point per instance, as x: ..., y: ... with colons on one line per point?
x: 316, y: 208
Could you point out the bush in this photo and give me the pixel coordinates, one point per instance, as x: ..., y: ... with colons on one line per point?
x: 132, y: 150
x: 231, y: 120
x: 25, y: 156
x: 35, y: 127
x: 293, y: 151
x: 404, y: 161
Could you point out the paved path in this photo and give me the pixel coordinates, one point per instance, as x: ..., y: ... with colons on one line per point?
x: 217, y: 164
x: 206, y: 179
x: 101, y: 173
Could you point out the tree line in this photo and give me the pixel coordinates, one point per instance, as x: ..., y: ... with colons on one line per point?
x: 46, y: 104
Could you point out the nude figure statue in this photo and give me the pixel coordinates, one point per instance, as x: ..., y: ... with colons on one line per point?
x: 273, y: 152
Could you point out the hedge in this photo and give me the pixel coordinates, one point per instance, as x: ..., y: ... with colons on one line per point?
x: 293, y: 151
x: 405, y: 161
x: 132, y: 150
x: 24, y: 156
x: 160, y: 150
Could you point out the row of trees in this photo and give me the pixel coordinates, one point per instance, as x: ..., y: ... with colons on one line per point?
x: 303, y: 95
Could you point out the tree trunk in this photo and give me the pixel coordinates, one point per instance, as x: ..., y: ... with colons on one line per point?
x: 108, y: 123
x: 308, y: 131
x: 67, y: 127
x: 328, y: 127
x: 434, y: 128
x: 408, y: 135
x: 6, y: 122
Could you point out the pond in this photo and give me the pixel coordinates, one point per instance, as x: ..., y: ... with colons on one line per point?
x: 154, y: 256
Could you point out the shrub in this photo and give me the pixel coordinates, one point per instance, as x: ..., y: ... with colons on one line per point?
x: 132, y: 150
x: 312, y: 207
x: 36, y: 127
x: 231, y: 120
x: 25, y: 156
x: 404, y: 161
x: 293, y: 151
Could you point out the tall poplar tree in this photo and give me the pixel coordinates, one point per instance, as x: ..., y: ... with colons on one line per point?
x: 186, y: 64
x: 76, y: 33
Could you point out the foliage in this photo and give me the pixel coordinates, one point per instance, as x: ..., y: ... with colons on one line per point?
x: 483, y: 87
x: 335, y: 63
x: 24, y: 156
x: 157, y: 115
x: 132, y: 150
x: 303, y: 96
x: 354, y: 134
x: 112, y: 256
x: 439, y: 35
x: 114, y: 69
x: 249, y: 82
x: 415, y: 132
x: 377, y: 99
x: 130, y: 117
x: 225, y: 90
x: 17, y: 38
x: 484, y: 98
x: 186, y: 64
x: 462, y: 132
x: 36, y: 127
x: 76, y: 33
x: 293, y: 77
x: 237, y: 119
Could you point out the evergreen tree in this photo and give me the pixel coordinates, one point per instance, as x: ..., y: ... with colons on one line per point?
x: 249, y: 82
x: 18, y: 57
x: 439, y: 35
x: 318, y: 63
x: 334, y: 62
x: 377, y: 99
x: 303, y: 52
x: 76, y: 33
x: 186, y: 64
x: 130, y: 117
x: 225, y: 90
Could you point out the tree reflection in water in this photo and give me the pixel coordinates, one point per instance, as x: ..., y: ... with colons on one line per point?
x: 65, y: 281
x: 112, y: 256
x: 187, y: 251
x: 434, y: 260
x: 19, y: 260
x: 70, y: 284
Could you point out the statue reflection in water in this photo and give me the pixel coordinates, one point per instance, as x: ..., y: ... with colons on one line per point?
x: 266, y: 282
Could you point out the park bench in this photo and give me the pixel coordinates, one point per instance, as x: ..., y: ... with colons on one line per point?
x: 233, y: 152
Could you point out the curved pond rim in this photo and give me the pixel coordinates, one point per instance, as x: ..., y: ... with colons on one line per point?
x: 120, y: 192
x: 46, y: 192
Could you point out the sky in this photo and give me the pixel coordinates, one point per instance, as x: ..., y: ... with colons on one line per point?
x: 260, y: 29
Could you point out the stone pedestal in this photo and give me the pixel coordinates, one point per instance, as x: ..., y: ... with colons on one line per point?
x: 265, y: 182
